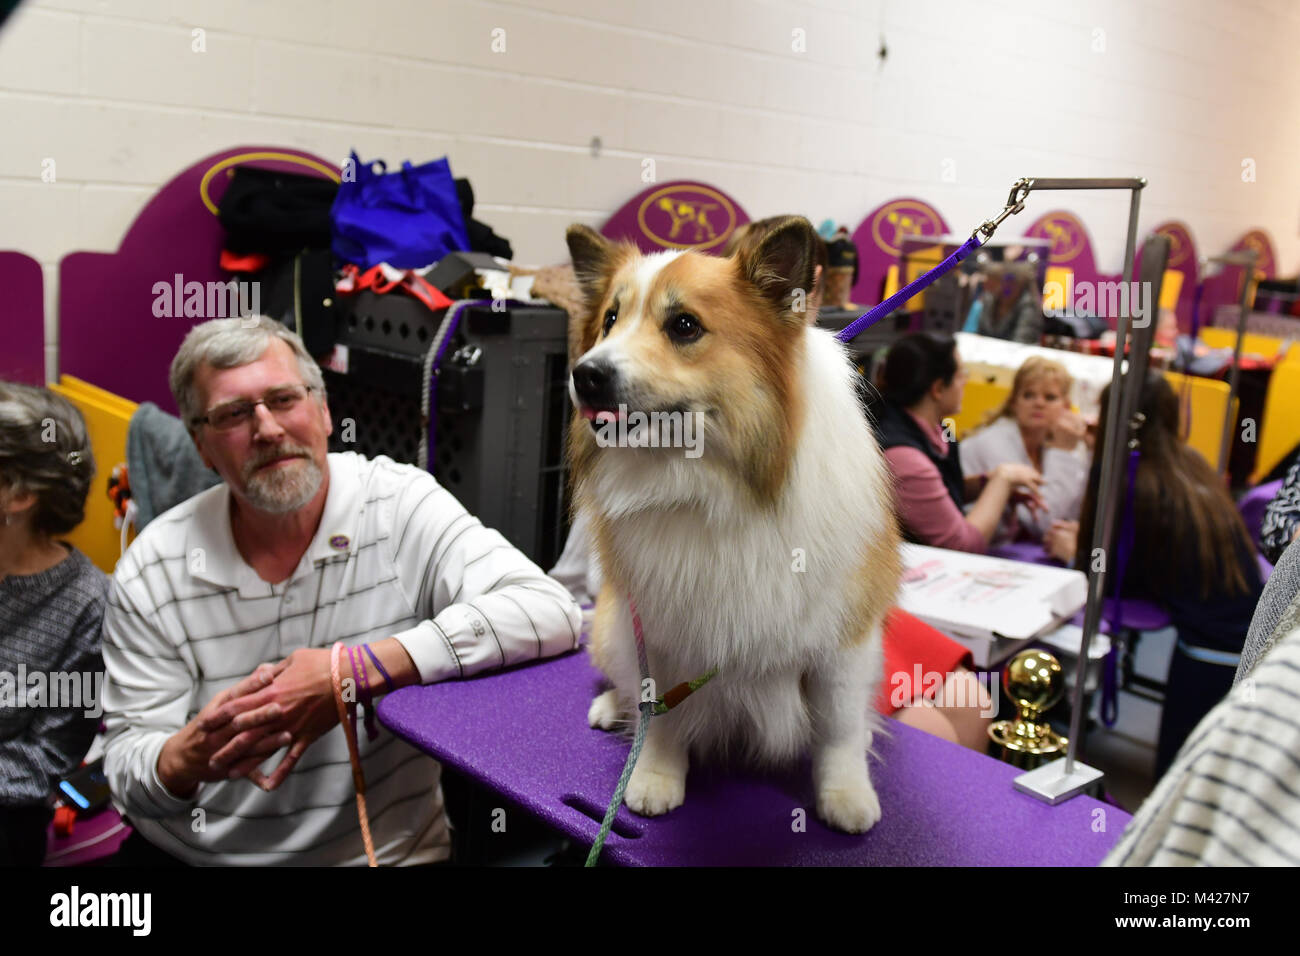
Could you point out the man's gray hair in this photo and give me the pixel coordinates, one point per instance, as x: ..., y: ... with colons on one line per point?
x: 45, y: 450
x: 230, y: 343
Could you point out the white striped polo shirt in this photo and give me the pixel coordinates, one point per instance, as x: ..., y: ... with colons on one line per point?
x: 395, y: 555
x: 1232, y: 796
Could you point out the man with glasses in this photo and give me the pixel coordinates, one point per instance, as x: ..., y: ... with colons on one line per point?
x: 219, y: 700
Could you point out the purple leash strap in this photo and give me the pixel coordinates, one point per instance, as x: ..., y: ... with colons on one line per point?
x: 1110, y: 679
x: 919, y: 284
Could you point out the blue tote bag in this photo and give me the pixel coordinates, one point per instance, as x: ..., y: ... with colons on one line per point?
x: 409, y: 218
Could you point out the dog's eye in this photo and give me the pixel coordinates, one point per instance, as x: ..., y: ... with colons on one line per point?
x: 684, y: 327
x: 610, y: 316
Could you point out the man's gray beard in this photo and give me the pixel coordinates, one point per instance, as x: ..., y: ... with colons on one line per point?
x: 284, y: 489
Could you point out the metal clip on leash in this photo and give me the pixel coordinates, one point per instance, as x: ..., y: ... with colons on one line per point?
x: 1015, y: 203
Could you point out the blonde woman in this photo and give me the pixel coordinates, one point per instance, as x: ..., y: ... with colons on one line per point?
x: 1035, y: 427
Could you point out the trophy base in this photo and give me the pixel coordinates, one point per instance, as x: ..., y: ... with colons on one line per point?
x: 1052, y: 785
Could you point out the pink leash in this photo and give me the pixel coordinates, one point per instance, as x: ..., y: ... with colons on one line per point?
x: 349, y: 723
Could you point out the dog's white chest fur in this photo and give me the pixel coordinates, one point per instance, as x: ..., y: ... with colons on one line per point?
x: 762, y: 594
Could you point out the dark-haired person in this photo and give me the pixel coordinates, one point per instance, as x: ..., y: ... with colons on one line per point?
x: 1232, y: 795
x: 1191, y: 553
x: 1009, y: 305
x: 51, y: 611
x: 921, y: 386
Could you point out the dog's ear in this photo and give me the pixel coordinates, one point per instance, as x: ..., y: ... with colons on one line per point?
x: 593, y: 260
x: 780, y: 264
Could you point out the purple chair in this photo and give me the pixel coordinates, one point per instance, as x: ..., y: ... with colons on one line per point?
x: 1252, y: 506
x: 92, y: 841
x: 1029, y: 552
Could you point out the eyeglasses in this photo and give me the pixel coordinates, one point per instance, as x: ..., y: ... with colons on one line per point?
x: 278, y: 401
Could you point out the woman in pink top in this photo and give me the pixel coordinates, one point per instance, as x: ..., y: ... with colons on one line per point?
x: 922, y: 385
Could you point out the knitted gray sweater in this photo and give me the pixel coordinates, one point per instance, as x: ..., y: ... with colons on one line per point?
x: 1278, y: 611
x: 51, y: 673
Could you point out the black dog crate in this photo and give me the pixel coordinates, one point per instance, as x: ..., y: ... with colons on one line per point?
x: 502, y: 408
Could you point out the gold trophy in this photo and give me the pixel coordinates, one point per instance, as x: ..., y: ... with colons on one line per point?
x: 1035, y: 682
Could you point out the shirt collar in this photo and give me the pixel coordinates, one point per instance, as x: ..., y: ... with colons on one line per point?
x: 337, y: 533
x: 932, y: 432
x: 210, y: 544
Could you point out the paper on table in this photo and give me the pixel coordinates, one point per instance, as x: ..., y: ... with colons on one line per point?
x: 979, y: 598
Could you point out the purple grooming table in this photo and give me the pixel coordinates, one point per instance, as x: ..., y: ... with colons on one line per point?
x: 23, y: 356
x: 523, y: 733
x: 106, y: 300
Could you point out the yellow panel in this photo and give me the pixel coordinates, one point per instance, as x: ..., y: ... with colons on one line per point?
x: 1208, y: 401
x: 920, y: 261
x: 978, y: 400
x: 1251, y: 343
x: 107, y: 419
x: 1058, y: 288
x: 1171, y: 287
x: 891, y: 282
x: 1279, y: 432
x: 93, y: 392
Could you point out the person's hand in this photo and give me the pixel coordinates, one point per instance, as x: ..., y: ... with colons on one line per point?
x: 1090, y: 433
x: 1024, y: 482
x: 299, y: 702
x: 186, y: 758
x: 1062, y: 540
x: 1066, y: 432
x: 1030, y: 499
x: 1019, y: 476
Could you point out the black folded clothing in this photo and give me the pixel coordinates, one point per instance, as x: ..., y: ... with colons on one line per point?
x: 276, y: 213
x: 481, y: 236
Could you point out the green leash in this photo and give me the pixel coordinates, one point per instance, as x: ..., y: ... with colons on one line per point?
x: 648, y: 708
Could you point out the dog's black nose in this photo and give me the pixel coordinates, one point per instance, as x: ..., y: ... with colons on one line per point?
x: 594, y: 380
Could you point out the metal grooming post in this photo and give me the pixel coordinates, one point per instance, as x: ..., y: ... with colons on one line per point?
x: 1245, y: 258
x: 1061, y: 779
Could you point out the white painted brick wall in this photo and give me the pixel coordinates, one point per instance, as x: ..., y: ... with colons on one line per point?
x: 1181, y: 93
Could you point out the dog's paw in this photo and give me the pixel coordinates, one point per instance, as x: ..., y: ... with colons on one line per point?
x: 604, y: 712
x: 853, y: 809
x: 651, y: 793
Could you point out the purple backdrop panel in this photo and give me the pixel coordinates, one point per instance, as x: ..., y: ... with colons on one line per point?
x: 23, y: 356
x: 1182, y: 258
x: 677, y: 215
x: 524, y: 734
x: 1071, y: 244
x: 878, y: 240
x: 1224, y: 287
x: 108, y: 332
x: 1262, y: 243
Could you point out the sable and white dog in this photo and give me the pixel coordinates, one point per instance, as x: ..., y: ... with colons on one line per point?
x: 771, y: 557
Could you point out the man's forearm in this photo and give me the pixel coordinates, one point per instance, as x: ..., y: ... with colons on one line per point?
x: 395, y: 660
x: 172, y: 767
